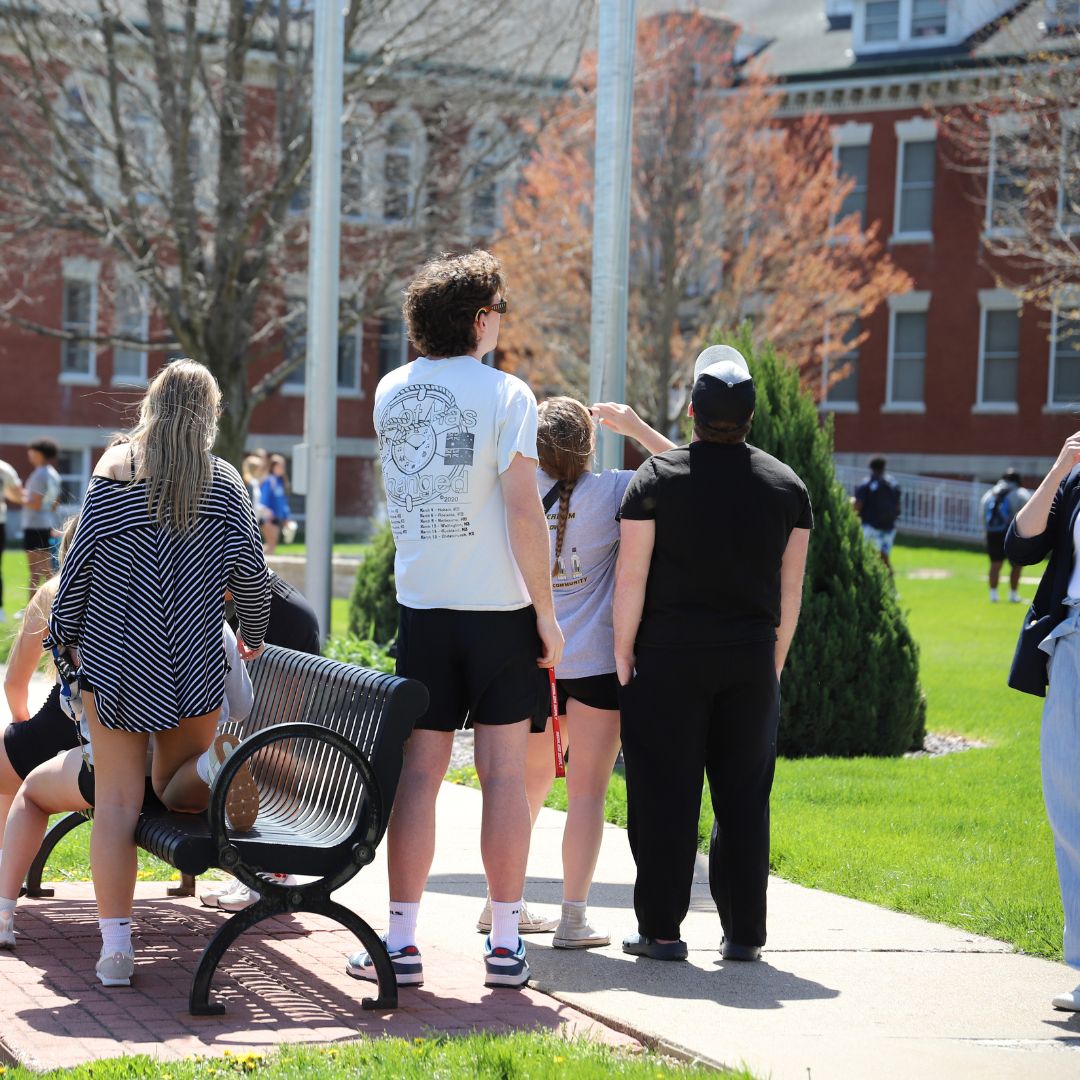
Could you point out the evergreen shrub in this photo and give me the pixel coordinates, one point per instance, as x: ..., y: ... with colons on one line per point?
x: 851, y: 682
x: 373, y: 606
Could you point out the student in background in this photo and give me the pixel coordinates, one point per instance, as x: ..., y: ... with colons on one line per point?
x: 877, y: 502
x: 998, y: 507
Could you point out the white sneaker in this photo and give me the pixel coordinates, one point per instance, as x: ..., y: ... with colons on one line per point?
x: 1015, y: 598
x: 528, y: 921
x: 575, y: 932
x: 244, y: 897
x: 115, y: 969
x: 7, y: 929
x: 1069, y: 1001
x: 211, y: 897
x: 993, y: 596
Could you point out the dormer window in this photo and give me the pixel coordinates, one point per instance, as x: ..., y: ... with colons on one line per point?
x: 929, y: 18
x: 882, y: 20
x: 887, y: 25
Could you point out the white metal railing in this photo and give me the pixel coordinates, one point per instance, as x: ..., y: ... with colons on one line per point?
x: 929, y: 506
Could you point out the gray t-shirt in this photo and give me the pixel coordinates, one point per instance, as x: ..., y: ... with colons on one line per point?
x: 9, y: 485
x: 44, y: 481
x: 584, y: 581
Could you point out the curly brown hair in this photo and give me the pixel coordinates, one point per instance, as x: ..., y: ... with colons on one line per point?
x: 442, y: 300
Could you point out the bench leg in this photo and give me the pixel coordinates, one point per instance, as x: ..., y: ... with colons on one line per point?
x: 199, y: 1003
x: 388, y: 991
x: 57, y: 833
x: 185, y: 888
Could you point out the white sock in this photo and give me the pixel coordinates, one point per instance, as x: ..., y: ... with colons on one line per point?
x: 504, y: 924
x: 202, y: 767
x: 575, y: 904
x: 402, y: 929
x: 6, y: 905
x: 1013, y: 596
x: 115, y: 935
x: 993, y: 594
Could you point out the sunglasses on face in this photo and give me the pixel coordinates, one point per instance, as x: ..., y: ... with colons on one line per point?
x: 500, y: 307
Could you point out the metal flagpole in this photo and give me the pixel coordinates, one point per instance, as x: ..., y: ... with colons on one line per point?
x: 324, y: 258
x: 611, y: 214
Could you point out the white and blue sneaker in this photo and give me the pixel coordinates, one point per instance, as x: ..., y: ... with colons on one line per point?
x: 406, y: 962
x: 505, y: 967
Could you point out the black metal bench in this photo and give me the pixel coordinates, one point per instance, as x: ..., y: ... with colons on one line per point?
x: 324, y: 742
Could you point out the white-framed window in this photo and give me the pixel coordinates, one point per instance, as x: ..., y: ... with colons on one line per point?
x: 851, y: 152
x: 349, y: 358
x: 74, y: 469
x: 887, y: 25
x: 488, y: 153
x: 1006, y: 179
x: 1064, y: 385
x: 929, y: 18
x: 393, y: 345
x: 131, y: 319
x: 403, y: 150
x: 906, y: 370
x: 916, y: 154
x: 842, y: 394
x: 882, y: 20
x: 349, y: 362
x: 357, y: 181
x: 999, y: 351
x: 78, y: 359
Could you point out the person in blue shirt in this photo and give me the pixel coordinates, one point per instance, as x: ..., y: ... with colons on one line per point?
x: 274, y: 494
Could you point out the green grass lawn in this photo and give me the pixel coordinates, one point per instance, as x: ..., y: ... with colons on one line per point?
x: 532, y: 1055
x: 961, y: 839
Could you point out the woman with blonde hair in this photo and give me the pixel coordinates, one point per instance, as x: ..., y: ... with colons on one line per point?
x: 581, y: 507
x: 166, y: 528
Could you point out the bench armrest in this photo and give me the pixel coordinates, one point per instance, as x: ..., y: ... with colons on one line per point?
x: 363, y: 850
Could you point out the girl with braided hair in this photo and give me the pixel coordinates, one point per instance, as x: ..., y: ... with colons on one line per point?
x: 581, y: 508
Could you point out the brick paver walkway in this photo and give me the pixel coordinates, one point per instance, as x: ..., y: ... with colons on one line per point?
x: 284, y: 982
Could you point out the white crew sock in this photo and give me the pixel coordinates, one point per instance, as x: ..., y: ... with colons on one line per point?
x: 575, y: 904
x: 993, y: 596
x: 1014, y: 597
x: 504, y: 924
x: 115, y: 935
x: 402, y: 929
x: 202, y: 767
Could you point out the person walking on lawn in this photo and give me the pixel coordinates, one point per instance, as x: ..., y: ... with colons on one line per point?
x: 457, y: 444
x: 999, y: 506
x: 708, y: 588
x: 1047, y: 662
x: 877, y: 502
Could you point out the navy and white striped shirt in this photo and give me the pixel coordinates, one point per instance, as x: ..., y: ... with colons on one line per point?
x: 144, y: 605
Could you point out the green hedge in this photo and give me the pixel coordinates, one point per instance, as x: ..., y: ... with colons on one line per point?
x: 373, y: 606
x: 851, y: 684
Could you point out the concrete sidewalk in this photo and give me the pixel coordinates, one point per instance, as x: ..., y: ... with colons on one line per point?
x: 845, y: 989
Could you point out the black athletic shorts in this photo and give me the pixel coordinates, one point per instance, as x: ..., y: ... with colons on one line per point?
x: 151, y: 803
x: 479, y: 666
x: 995, y: 546
x: 36, y: 539
x: 50, y: 731
x: 596, y: 691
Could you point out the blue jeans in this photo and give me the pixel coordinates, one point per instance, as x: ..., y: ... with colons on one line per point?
x: 1060, y: 746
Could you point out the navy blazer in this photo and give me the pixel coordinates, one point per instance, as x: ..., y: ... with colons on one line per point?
x: 1028, y: 671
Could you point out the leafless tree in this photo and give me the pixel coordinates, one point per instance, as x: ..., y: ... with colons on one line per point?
x: 170, y: 141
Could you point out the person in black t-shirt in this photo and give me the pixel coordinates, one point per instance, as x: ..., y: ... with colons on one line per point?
x: 713, y: 548
x: 877, y: 502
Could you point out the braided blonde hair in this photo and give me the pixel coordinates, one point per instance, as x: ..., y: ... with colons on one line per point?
x: 565, y: 442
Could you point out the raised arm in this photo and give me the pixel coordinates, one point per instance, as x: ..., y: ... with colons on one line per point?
x: 624, y: 421
x: 527, y: 528
x: 26, y: 652
x: 792, y: 570
x: 636, y: 540
x: 1029, y: 538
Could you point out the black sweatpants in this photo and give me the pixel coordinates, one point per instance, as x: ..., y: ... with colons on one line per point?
x: 689, y: 712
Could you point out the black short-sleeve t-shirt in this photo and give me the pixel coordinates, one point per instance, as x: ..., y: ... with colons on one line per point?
x: 723, y: 518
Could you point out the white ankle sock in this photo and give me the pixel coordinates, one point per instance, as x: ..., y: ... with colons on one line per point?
x: 575, y: 904
x: 402, y: 928
x: 115, y: 935
x: 6, y: 904
x: 202, y: 767
x: 504, y: 924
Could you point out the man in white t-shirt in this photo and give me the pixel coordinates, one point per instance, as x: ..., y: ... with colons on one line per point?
x: 457, y: 444
x: 10, y: 491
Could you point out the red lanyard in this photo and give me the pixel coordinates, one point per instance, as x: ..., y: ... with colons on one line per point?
x: 560, y: 764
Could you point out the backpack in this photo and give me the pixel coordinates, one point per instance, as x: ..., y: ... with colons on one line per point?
x: 997, y: 512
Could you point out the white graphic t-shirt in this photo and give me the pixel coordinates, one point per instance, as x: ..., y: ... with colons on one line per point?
x: 447, y: 430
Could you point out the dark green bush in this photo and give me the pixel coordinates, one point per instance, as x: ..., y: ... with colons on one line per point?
x: 373, y: 606
x: 851, y: 683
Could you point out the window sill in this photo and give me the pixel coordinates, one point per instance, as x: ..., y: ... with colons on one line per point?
x: 1060, y: 407
x: 838, y: 406
x: 914, y: 407
x: 293, y: 389
x: 1001, y: 233
x: 911, y: 238
x: 353, y: 395
x: 131, y: 383
x: 73, y: 378
x: 995, y: 408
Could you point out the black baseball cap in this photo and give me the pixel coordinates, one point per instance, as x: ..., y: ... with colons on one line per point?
x: 724, y: 390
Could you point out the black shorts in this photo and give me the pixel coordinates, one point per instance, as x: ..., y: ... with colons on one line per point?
x: 995, y: 546
x: 479, y: 666
x: 36, y: 539
x: 151, y: 803
x: 50, y: 731
x: 596, y: 691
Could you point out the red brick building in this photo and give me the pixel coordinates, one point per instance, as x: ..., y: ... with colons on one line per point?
x: 957, y: 377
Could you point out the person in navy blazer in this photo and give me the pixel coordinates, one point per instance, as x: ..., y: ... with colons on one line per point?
x: 1047, y: 663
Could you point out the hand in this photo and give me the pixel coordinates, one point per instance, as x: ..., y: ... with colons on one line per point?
x: 624, y: 669
x: 619, y: 418
x: 245, y: 652
x: 1069, y: 456
x: 552, y: 638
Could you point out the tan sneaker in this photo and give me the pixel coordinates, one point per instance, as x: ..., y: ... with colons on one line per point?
x: 242, y: 798
x: 528, y: 922
x: 574, y: 931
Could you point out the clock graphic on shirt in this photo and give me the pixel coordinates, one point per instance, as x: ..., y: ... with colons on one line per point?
x: 426, y: 446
